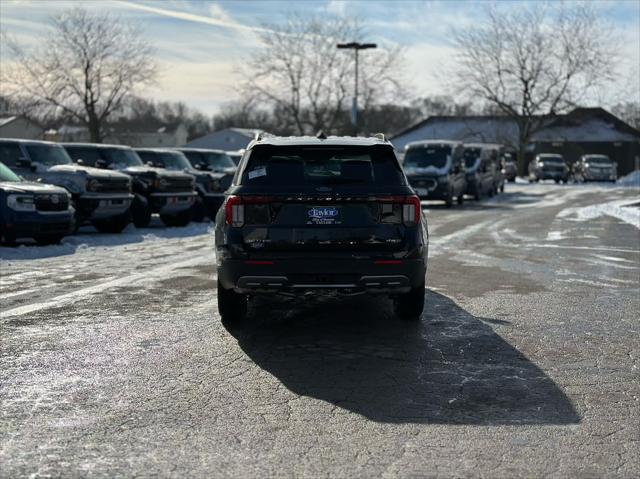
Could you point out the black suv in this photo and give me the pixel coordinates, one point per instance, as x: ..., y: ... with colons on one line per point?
x: 315, y: 213
x: 156, y: 190
x: 34, y: 210
x: 208, y: 184
x: 435, y: 169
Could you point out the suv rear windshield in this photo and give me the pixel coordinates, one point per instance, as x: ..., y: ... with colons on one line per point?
x: 322, y: 166
x: 428, y: 155
x: 48, y: 155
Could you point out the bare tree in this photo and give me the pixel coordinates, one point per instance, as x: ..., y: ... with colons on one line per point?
x: 89, y: 64
x: 300, y: 72
x: 532, y: 62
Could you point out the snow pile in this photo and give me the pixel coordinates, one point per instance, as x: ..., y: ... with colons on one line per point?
x: 87, y: 239
x: 624, y: 210
x: 632, y: 179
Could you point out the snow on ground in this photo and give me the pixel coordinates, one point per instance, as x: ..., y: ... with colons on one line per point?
x: 625, y: 210
x: 632, y: 180
x: 88, y: 239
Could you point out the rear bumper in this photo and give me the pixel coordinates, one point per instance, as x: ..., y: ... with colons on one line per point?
x: 296, y: 275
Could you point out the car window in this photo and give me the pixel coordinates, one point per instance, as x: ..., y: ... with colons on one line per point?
x: 10, y: 153
x: 320, y: 165
x: 87, y: 154
x: 7, y: 175
x: 49, y: 155
x: 121, y: 157
x: 425, y: 156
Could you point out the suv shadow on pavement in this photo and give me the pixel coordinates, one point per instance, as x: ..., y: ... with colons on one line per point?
x: 449, y: 368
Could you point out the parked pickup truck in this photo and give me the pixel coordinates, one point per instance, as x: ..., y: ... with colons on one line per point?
x: 33, y: 210
x: 210, y: 192
x: 156, y: 190
x: 548, y: 166
x: 595, y: 168
x: 101, y: 198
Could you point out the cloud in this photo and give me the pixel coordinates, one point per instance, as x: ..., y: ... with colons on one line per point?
x: 220, y: 19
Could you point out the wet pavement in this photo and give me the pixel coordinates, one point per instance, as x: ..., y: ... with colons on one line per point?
x: 114, y: 361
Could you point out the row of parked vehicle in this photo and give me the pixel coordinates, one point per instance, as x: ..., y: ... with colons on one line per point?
x: 450, y: 170
x: 49, y: 190
x: 551, y: 166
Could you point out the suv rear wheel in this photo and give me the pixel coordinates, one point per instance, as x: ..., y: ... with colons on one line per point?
x: 232, y: 306
x: 409, y: 306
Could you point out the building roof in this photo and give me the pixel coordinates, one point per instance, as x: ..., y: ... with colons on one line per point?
x: 225, y: 139
x: 7, y: 119
x: 95, y: 145
x: 581, y: 125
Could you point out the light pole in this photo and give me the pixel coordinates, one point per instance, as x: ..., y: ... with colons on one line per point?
x: 356, y: 47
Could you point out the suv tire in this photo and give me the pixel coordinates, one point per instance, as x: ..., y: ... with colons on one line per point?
x: 409, y: 306
x: 140, y: 213
x: 113, y: 225
x: 46, y: 240
x: 180, y: 219
x: 198, y: 211
x: 449, y: 200
x: 232, y: 306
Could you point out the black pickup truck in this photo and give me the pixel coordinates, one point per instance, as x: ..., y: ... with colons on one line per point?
x: 156, y: 190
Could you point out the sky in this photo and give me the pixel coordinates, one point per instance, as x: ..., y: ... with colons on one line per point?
x: 199, y: 43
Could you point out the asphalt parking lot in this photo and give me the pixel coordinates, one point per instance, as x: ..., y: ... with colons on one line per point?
x: 114, y: 361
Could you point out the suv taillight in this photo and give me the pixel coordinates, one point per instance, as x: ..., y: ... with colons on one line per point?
x: 234, y: 207
x: 410, y: 207
x: 234, y: 211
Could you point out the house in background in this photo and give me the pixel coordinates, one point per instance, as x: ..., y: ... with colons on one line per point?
x: 579, y: 132
x: 229, y: 139
x: 164, y: 136
x: 20, y: 127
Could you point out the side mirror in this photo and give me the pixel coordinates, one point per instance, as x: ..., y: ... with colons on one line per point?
x: 80, y: 161
x: 101, y: 163
x: 23, y: 162
x: 198, y: 166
